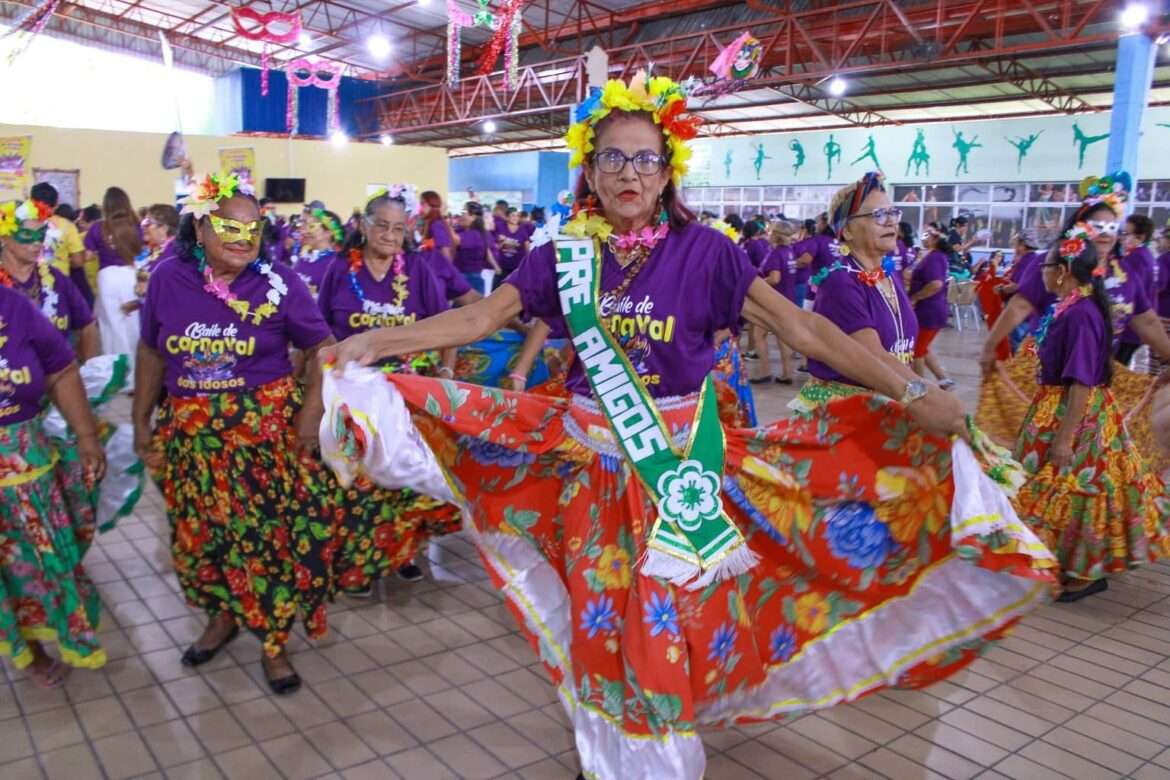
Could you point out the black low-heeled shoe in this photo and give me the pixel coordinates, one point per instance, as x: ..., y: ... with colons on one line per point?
x: 285, y: 685
x: 1073, y: 596
x: 194, y: 656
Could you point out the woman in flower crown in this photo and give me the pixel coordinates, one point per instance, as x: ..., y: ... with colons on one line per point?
x: 675, y: 573
x: 383, y: 284
x: 1009, y: 387
x: 48, y: 503
x: 1090, y: 497
x: 253, y: 511
x: 23, y: 227
x: 323, y: 235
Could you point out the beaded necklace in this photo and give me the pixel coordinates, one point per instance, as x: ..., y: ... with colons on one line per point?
x: 1057, y: 309
x: 401, y: 292
x: 277, y: 289
x: 43, y: 292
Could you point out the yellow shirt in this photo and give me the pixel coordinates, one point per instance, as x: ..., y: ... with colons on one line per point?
x: 62, y: 242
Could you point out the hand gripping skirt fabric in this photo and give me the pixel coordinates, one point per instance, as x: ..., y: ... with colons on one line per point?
x: 875, y: 571
x: 730, y: 372
x: 1107, y: 512
x: 48, y: 519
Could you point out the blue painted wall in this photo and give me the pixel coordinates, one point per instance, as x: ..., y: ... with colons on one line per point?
x: 538, y: 175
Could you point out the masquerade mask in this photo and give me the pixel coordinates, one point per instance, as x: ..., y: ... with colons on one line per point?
x: 231, y: 231
x: 1108, y: 228
x: 28, y: 236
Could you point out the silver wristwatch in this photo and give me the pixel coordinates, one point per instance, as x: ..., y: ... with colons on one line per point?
x: 915, y: 389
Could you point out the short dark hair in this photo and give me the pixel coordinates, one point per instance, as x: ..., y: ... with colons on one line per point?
x: 44, y: 192
x: 92, y: 212
x: 65, y: 211
x: 1143, y: 225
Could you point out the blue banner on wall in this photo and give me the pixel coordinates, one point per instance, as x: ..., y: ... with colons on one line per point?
x: 266, y: 114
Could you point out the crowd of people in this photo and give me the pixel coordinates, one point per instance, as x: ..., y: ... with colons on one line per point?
x: 675, y: 565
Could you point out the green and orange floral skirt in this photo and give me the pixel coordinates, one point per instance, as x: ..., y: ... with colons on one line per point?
x: 1107, y: 511
x: 885, y: 561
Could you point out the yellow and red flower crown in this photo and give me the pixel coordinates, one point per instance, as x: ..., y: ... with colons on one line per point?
x: 12, y: 214
x: 216, y: 187
x: 661, y: 97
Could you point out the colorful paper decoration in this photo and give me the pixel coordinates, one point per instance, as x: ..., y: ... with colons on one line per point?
x: 323, y: 75
x: 31, y: 22
x: 505, y: 27
x: 269, y: 27
x: 740, y: 60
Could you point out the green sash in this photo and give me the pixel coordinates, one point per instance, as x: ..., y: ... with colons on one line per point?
x: 693, y: 541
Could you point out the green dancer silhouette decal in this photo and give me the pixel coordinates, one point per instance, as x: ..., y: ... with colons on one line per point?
x: 727, y: 164
x: 798, y: 150
x: 869, y: 152
x: 759, y: 161
x: 964, y: 147
x: 1022, y: 146
x: 919, y: 157
x: 832, y: 152
x: 1083, y: 142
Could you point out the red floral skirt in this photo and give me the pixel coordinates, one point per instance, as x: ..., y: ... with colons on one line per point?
x: 868, y: 577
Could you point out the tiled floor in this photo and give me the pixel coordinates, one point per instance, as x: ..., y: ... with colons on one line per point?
x: 433, y: 681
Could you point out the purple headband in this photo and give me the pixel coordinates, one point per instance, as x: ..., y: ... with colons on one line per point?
x: 849, y: 206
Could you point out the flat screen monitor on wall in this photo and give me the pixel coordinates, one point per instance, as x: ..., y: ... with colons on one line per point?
x: 285, y: 190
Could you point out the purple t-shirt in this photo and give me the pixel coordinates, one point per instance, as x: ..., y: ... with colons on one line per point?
x: 693, y: 284
x: 510, y: 246
x: 347, y: 314
x: 783, y: 260
x: 932, y: 311
x: 1076, y: 349
x: 208, y: 349
x: 95, y: 242
x: 440, y: 234
x: 312, y: 266
x: 1016, y: 274
x: 820, y: 247
x: 852, y: 305
x: 70, y: 311
x: 1127, y: 294
x: 454, y: 285
x: 1139, y: 264
x: 31, y: 350
x: 1033, y: 291
x: 471, y: 256
x: 757, y: 250
x: 1164, y: 285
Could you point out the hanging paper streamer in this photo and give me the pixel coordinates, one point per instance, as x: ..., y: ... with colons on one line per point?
x: 505, y: 28
x: 735, y: 65
x: 270, y: 27
x: 323, y: 75
x: 29, y: 26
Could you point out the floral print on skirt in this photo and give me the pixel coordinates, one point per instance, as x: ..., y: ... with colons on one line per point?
x: 731, y: 373
x: 254, y: 522
x: 1105, y: 513
x: 47, y: 522
x: 1006, y: 396
x: 865, y: 579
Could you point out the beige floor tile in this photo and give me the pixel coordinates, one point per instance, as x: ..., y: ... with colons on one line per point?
x: 34, y: 699
x: 892, y: 765
x: 383, y: 734
x: 1152, y: 772
x: 83, y: 686
x: 343, y: 697
x: 549, y: 769
x: 1073, y: 682
x: 1140, y: 706
x: 192, y: 695
x: 233, y: 685
x: 1020, y: 768
x: 804, y: 751
x: 1066, y: 763
x: 833, y: 737
x: 419, y: 762
x: 218, y: 731
x: 535, y: 689
x: 374, y: 770
x: 203, y: 769
x: 14, y: 740
x: 295, y: 757
x: 24, y: 769
x: 419, y: 678
x: 1109, y: 661
x: 460, y: 709
x: 504, y: 703
x: 961, y: 742
x: 1017, y: 699
x: 173, y: 743
x: 70, y: 763
x: 340, y: 745
x: 1111, y: 734
x: 466, y: 758
x: 124, y: 755
x: 54, y: 729
x: 1092, y: 671
x: 934, y: 757
x: 1107, y: 755
x: 550, y: 734
x: 247, y: 763
x: 1046, y: 691
x: 507, y: 745
x: 757, y: 756
x: 862, y: 724
x: 1007, y: 715
x: 262, y: 720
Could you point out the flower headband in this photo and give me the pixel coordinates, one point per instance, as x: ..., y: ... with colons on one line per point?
x: 846, y: 203
x: 1112, y: 190
x: 726, y: 230
x: 330, y: 224
x: 1075, y: 241
x: 663, y: 98
x: 216, y: 187
x: 13, y: 214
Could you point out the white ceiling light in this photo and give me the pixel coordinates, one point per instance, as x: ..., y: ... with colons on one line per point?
x: 837, y: 86
x: 1134, y: 16
x: 305, y: 40
x: 489, y: 127
x: 378, y: 46
x: 338, y: 138
x: 386, y: 139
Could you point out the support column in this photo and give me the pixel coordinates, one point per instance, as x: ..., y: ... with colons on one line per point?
x: 1131, y: 92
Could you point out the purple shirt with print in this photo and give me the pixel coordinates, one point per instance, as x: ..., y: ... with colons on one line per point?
x: 931, y: 312
x: 820, y: 247
x: 852, y: 305
x: 1127, y: 294
x: 1076, y: 349
x: 781, y: 259
x: 312, y: 266
x: 96, y: 242
x: 510, y: 246
x: 207, y: 348
x: 347, y: 314
x: 454, y: 285
x: 1141, y: 266
x: 71, y: 312
x: 693, y: 284
x: 31, y: 351
x: 757, y: 250
x: 471, y: 256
